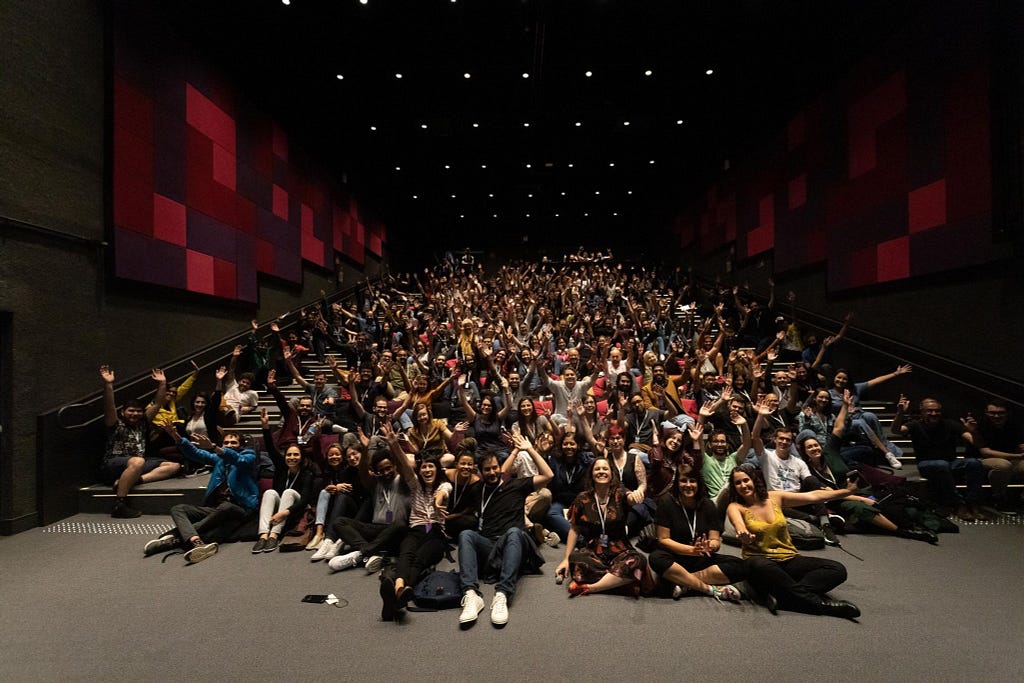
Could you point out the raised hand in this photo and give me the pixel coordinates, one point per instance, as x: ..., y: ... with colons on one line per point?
x: 696, y: 431
x: 255, y: 325
x: 203, y: 441
x: 265, y: 418
x: 773, y: 354
x: 107, y: 373
x: 158, y: 375
x: 287, y: 354
x: 708, y: 409
x: 221, y: 373
x: 903, y: 403
x: 738, y: 419
x: 903, y: 369
x: 272, y: 378
x: 237, y: 351
x: 274, y: 327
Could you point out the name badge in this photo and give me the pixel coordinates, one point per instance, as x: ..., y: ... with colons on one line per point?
x: 389, y: 516
x: 603, y: 540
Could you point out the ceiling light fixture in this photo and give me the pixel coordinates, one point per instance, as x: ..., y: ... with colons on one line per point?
x: 709, y: 72
x: 529, y: 166
x: 526, y: 125
x: 679, y: 122
x: 446, y: 167
x: 648, y: 73
x: 466, y: 75
x: 588, y: 74
x: 579, y: 123
x: 373, y: 127
x: 526, y: 75
x: 611, y: 164
x: 476, y: 125
x: 651, y: 161
x: 483, y: 165
x: 423, y: 126
x: 625, y: 123
x: 340, y: 77
x: 570, y: 165
x: 398, y: 168
x: 398, y: 76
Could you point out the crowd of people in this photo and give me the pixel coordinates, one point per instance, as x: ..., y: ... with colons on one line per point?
x: 622, y: 413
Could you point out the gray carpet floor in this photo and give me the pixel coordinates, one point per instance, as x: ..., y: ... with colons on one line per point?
x: 81, y: 603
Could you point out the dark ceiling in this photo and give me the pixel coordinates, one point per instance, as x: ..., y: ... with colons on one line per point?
x: 554, y: 182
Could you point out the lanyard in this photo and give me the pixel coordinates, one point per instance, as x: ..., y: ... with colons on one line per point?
x: 692, y: 525
x: 601, y: 514
x: 289, y: 482
x: 569, y: 476
x: 455, y: 493
x: 387, y: 494
x: 483, y: 504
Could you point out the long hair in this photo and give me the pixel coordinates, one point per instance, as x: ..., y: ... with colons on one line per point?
x: 613, y: 485
x: 760, y: 488
x: 690, y: 471
x: 438, y: 478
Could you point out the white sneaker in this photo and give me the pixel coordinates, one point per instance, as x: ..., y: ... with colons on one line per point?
x: 678, y: 592
x: 315, y: 544
x: 894, y: 462
x: 552, y: 539
x: 200, y: 552
x: 499, y: 609
x: 326, y: 551
x: 728, y: 592
x: 472, y: 606
x: 346, y: 561
x: 374, y: 564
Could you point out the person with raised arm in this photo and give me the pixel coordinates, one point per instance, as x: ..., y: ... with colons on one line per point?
x: 289, y: 495
x: 125, y: 462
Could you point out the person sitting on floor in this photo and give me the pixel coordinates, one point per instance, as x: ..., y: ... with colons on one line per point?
x: 288, y: 497
x: 231, y: 496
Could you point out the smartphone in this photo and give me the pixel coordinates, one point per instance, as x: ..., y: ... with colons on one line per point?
x: 316, y: 599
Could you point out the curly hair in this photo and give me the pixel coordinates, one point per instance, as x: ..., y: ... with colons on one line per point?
x: 760, y: 488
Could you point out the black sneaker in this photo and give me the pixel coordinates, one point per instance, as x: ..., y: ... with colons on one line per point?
x: 271, y: 545
x: 389, y: 602
x: 123, y: 511
x: 830, y: 535
x: 159, y: 545
x: 259, y: 546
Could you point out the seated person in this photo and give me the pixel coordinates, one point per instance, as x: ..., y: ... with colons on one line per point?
x: 499, y: 532
x: 598, y: 554
x: 231, y: 496
x: 125, y: 461
x: 935, y: 440
x: 388, y: 496
x: 288, y: 497
x: 341, y: 494
x: 689, y: 538
x: 239, y: 396
x: 1000, y: 442
x: 521, y: 464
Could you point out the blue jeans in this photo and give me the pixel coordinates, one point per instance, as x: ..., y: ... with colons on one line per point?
x: 474, y: 548
x: 940, y: 475
x: 556, y: 521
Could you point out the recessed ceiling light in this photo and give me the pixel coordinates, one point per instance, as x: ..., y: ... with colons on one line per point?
x: 423, y: 126
x: 629, y: 191
x: 476, y: 125
x: 679, y: 122
x: 611, y: 164
x: 398, y: 168
x: 597, y: 191
x: 526, y: 125
x: 588, y: 74
x: 529, y: 166
x: 563, y: 194
x: 483, y: 165
x: 625, y: 123
x: 373, y: 127
x: 398, y: 76
x: 579, y: 123
x: 453, y: 196
x: 527, y: 215
x: 526, y: 75
x: 340, y: 77
x: 585, y: 215
x: 530, y: 195
x: 709, y: 72
x: 570, y: 165
x: 415, y: 196
x: 648, y: 73
x: 466, y: 75
x: 490, y: 195
x: 556, y: 215
x: 651, y: 161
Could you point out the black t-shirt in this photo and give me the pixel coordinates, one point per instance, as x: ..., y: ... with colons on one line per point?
x: 503, y: 506
x: 671, y: 515
x: 935, y: 442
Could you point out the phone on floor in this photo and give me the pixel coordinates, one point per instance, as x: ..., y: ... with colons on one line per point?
x: 316, y: 599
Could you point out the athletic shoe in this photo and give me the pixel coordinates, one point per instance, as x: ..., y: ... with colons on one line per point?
x: 258, y: 546
x: 374, y: 564
x: 829, y: 534
x: 389, y: 603
x: 894, y: 462
x: 552, y: 539
x: 124, y: 511
x: 272, y: 544
x: 326, y: 551
x: 472, y: 606
x: 343, y: 562
x: 315, y: 543
x: 499, y: 609
x: 200, y: 551
x: 159, y: 545
x: 838, y: 522
x: 678, y: 592
x: 728, y: 592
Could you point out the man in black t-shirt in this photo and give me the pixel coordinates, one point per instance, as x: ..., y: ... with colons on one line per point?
x: 499, y: 531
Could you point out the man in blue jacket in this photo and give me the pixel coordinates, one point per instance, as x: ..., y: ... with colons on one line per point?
x: 231, y: 496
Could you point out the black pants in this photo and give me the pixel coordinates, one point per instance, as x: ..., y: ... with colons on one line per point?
x: 798, y: 583
x: 419, y: 551
x: 369, y: 538
x: 211, y: 524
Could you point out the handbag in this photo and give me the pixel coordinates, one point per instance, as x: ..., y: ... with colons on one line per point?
x: 438, y: 590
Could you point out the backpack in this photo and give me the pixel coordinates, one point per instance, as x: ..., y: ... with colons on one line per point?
x: 805, y: 535
x: 438, y: 590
